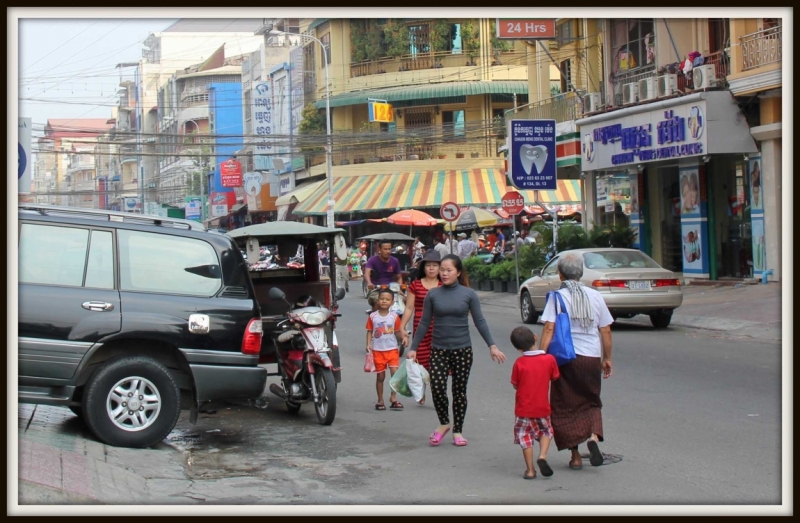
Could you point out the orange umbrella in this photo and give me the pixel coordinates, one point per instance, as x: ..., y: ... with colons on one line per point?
x: 412, y: 217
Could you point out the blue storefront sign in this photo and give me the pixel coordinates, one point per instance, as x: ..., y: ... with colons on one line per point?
x: 533, y: 154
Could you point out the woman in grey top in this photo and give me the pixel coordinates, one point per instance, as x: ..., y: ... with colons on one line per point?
x: 451, y: 349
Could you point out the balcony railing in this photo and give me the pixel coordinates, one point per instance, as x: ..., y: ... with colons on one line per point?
x: 761, y: 48
x: 420, y: 61
x: 561, y: 108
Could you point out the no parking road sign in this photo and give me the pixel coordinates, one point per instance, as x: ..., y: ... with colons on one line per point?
x: 450, y: 212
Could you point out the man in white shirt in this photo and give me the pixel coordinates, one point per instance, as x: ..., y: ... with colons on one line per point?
x: 466, y: 246
x: 439, y: 247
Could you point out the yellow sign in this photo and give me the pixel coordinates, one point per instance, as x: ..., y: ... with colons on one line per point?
x: 381, y: 112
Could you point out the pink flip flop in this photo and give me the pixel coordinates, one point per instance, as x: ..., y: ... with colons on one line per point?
x: 459, y: 441
x: 436, y: 437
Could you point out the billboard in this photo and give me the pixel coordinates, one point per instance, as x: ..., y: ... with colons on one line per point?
x: 24, y: 158
x: 262, y: 123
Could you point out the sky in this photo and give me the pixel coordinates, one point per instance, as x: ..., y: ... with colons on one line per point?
x: 68, y: 66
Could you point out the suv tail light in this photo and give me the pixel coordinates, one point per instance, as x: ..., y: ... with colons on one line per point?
x: 609, y: 283
x: 667, y: 283
x: 251, y: 343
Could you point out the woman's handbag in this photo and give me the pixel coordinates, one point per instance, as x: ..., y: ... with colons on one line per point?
x: 561, y: 344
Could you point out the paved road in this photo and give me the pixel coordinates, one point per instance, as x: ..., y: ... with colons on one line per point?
x: 690, y: 417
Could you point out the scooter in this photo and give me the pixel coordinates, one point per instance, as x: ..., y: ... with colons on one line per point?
x: 303, y: 357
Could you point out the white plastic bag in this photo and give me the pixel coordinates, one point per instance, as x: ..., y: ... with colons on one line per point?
x: 417, y: 378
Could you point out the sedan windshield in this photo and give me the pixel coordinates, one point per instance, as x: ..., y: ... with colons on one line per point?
x: 618, y: 260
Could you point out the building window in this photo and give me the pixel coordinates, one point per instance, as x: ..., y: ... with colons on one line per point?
x: 420, y: 39
x: 632, y: 44
x: 566, y: 76
x: 326, y: 47
x: 453, y: 123
x: 418, y: 117
x: 565, y: 33
x: 718, y: 37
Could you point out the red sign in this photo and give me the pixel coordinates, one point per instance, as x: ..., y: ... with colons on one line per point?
x: 450, y: 212
x: 526, y: 28
x: 513, y: 202
x: 231, y: 173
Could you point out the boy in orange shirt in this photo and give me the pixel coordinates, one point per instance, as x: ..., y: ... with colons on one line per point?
x: 382, y: 342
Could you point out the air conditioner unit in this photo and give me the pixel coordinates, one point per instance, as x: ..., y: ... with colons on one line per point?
x: 667, y: 85
x: 703, y: 76
x: 648, y: 88
x: 592, y: 102
x: 630, y: 93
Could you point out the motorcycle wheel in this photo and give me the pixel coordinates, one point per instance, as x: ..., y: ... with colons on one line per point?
x: 292, y: 407
x: 326, y: 391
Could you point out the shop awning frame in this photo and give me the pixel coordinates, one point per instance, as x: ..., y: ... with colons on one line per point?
x: 416, y: 92
x: 299, y: 194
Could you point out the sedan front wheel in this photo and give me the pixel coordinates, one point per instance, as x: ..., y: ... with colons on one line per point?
x: 528, y: 313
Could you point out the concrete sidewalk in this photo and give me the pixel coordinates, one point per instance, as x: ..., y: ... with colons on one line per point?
x: 742, y: 310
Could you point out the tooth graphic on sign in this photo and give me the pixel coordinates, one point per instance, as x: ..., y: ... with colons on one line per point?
x: 533, y: 155
x: 252, y: 183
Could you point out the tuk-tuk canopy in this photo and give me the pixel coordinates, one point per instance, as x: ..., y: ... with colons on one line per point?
x: 283, y: 229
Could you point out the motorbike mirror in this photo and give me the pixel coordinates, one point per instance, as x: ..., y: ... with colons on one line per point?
x: 340, y: 293
x: 277, y: 294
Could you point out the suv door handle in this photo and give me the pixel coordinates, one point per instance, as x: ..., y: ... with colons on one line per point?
x: 97, y: 306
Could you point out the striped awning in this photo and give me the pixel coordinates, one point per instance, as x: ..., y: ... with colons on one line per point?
x: 299, y: 193
x: 425, y: 189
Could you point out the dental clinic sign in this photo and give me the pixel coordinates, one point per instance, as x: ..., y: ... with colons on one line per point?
x: 677, y: 132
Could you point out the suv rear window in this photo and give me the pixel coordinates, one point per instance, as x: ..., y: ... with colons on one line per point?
x: 618, y: 260
x: 151, y: 262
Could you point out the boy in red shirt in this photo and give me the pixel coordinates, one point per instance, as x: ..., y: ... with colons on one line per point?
x: 533, y: 371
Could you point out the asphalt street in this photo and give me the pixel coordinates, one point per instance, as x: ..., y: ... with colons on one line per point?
x: 690, y: 417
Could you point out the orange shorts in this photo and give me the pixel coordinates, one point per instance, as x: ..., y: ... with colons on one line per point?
x: 386, y: 358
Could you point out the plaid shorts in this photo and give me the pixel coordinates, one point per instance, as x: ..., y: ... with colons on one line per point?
x: 528, y: 429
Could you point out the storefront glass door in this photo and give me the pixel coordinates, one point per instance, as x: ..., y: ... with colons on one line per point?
x: 665, y: 217
x: 731, y: 193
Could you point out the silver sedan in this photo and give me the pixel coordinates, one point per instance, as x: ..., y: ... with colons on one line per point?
x: 630, y: 282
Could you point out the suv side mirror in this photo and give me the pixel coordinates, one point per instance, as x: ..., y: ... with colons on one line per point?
x: 277, y: 294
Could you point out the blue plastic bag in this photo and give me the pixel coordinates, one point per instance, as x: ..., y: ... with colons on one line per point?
x: 561, y: 345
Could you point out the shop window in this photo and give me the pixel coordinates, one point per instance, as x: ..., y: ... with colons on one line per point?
x: 418, y: 117
x: 632, y: 44
x: 326, y: 47
x: 453, y: 123
x: 613, y: 199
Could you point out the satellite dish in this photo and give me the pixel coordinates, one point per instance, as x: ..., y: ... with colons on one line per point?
x: 340, y: 248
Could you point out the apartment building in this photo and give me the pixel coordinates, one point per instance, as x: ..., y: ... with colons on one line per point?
x: 676, y: 142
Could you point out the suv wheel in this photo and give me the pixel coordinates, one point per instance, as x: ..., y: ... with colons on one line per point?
x: 528, y: 313
x: 660, y: 320
x: 132, y: 402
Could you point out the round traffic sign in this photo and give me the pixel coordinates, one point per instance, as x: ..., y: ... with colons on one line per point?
x: 513, y: 202
x: 450, y: 212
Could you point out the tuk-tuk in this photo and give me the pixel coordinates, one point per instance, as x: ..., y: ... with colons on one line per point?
x: 284, y: 255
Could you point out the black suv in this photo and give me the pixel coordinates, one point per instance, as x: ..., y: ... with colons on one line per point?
x: 126, y: 318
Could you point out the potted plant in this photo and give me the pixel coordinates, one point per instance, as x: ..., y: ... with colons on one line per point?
x: 474, y: 154
x: 498, y: 45
x: 413, y: 157
x: 473, y: 265
x: 459, y: 155
x: 498, y: 275
x: 397, y: 38
x: 441, y: 156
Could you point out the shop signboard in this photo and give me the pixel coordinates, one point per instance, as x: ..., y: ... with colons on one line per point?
x: 532, y: 152
x: 221, y: 202
x: 381, y: 112
x: 526, y: 28
x: 678, y: 132
x: 24, y: 158
x: 262, y: 124
x: 231, y: 173
x: 194, y: 208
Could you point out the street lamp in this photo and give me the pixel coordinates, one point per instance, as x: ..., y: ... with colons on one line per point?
x: 328, y: 153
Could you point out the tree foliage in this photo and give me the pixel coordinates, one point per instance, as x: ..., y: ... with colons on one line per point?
x: 470, y: 38
x: 398, y: 38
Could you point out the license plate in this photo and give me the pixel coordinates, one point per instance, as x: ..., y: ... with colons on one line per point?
x: 639, y: 285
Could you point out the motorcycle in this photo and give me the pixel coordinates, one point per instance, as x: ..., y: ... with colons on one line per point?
x: 302, y: 354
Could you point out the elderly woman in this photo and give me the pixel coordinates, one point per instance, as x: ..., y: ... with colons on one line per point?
x: 575, y: 397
